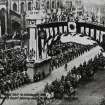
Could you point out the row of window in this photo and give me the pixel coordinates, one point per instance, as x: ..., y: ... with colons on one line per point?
x: 22, y: 6
x: 53, y: 4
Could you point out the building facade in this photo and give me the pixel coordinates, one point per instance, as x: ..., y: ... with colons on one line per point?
x: 20, y: 6
x: 102, y: 14
x: 79, y: 7
x: 53, y: 4
x: 75, y: 6
x: 15, y: 12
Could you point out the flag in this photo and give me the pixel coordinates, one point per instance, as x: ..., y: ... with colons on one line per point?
x: 60, y: 29
x: 92, y: 33
x: 82, y: 30
x: 51, y: 32
x: 97, y: 35
x: 47, y: 32
x: 55, y: 30
x: 65, y: 28
x: 87, y: 31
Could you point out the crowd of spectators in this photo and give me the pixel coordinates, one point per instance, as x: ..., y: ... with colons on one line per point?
x: 13, y: 80
x: 66, y: 52
x: 62, y: 53
x: 88, y: 69
x: 61, y: 17
x: 13, y: 72
x: 68, y: 85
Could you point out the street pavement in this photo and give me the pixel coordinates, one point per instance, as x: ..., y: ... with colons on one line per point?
x: 57, y: 73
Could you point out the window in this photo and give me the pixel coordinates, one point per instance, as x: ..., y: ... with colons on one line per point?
x: 58, y: 4
x: 53, y: 4
x: 15, y: 7
x: 70, y: 4
x: 48, y: 5
x: 29, y: 6
x: 37, y: 5
x: 22, y: 7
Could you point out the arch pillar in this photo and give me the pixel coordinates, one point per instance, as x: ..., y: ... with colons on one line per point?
x: 33, y: 42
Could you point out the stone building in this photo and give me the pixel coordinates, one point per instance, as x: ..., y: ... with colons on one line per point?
x: 15, y: 12
x: 75, y: 6
x: 52, y: 5
x: 79, y: 7
x: 102, y: 14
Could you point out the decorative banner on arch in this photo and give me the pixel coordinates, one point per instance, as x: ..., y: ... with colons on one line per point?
x: 97, y: 35
x: 92, y: 32
x: 72, y: 27
x: 82, y: 30
x: 65, y: 28
x: 55, y: 30
x: 47, y: 32
x: 87, y: 31
x: 102, y: 33
x: 50, y: 41
x: 55, y: 38
x: 51, y: 31
x: 60, y: 29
